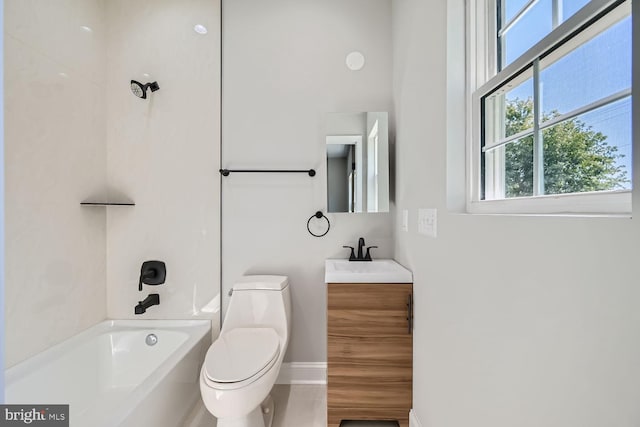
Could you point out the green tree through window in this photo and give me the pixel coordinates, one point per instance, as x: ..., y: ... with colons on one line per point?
x: 576, y: 158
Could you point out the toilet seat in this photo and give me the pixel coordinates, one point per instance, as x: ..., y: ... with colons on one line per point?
x: 240, y: 356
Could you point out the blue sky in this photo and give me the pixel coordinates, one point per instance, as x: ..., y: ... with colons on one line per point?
x: 599, y: 68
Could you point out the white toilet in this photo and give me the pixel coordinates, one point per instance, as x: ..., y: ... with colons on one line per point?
x: 242, y: 365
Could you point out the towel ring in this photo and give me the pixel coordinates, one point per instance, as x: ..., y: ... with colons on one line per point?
x: 318, y: 215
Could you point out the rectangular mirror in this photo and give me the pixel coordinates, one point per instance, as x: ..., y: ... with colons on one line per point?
x: 357, y: 162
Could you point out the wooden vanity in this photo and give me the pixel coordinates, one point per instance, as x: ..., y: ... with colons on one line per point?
x: 369, y: 352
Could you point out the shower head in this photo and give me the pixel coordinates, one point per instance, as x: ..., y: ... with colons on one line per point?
x: 140, y: 90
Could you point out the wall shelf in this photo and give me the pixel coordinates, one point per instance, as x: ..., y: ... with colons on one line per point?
x: 107, y: 204
x: 107, y: 197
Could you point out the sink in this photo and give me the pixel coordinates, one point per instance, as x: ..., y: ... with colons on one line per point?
x: 376, y: 271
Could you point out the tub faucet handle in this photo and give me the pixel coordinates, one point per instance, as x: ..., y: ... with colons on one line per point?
x: 152, y: 273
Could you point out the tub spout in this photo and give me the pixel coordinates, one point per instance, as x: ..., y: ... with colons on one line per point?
x: 152, y: 299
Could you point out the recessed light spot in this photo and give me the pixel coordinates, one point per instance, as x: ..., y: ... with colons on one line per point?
x: 200, y: 29
x: 355, y: 61
x: 86, y: 29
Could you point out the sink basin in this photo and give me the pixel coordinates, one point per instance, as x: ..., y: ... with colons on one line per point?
x: 376, y: 271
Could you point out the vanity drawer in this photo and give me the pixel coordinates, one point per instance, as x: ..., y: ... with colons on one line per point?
x: 369, y: 309
x: 368, y: 296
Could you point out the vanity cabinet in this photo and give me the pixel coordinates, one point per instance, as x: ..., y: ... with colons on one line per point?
x: 369, y: 352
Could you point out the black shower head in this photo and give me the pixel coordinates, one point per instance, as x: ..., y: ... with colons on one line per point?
x: 140, y: 90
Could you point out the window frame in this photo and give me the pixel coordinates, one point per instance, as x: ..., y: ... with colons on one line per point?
x: 484, y: 77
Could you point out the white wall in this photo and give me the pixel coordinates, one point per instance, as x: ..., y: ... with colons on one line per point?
x: 519, y: 321
x: 163, y: 153
x: 284, y: 69
x: 346, y: 124
x: 54, y: 158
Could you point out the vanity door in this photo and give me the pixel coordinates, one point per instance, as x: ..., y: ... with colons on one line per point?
x: 369, y: 352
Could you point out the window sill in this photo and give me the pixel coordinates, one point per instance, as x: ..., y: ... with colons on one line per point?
x: 597, y: 204
x: 547, y: 215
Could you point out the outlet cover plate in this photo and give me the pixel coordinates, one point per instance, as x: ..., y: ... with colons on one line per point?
x: 428, y: 222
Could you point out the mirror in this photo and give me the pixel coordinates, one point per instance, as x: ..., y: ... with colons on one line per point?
x: 357, y: 147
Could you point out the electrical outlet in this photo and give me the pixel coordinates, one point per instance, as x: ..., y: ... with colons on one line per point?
x: 405, y: 220
x: 428, y: 222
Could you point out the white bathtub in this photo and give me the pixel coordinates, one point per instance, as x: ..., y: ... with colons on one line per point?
x: 110, y: 377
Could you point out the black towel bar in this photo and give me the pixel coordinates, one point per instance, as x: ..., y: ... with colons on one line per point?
x: 226, y: 172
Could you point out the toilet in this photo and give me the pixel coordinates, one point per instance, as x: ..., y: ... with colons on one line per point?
x: 242, y: 365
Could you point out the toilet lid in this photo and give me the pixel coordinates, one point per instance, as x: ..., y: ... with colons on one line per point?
x: 241, y: 353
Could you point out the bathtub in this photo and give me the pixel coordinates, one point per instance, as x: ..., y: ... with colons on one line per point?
x: 111, y: 377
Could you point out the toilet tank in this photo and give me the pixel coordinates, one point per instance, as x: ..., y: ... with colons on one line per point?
x: 260, y: 301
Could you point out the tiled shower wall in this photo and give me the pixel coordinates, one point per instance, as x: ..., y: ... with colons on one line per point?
x: 55, y: 156
x: 163, y: 153
x: 74, y: 130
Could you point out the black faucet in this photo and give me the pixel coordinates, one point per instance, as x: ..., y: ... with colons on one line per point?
x: 360, y: 257
x: 360, y: 245
x: 152, y: 299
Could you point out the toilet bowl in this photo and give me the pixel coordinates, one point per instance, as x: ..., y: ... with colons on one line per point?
x: 242, y: 365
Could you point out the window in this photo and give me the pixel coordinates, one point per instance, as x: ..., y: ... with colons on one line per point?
x: 552, y: 118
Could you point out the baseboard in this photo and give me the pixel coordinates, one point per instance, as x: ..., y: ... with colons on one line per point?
x: 303, y: 373
x: 413, y: 419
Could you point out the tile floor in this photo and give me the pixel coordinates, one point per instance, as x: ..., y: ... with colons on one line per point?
x: 295, y: 406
